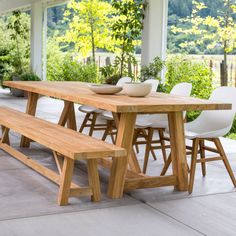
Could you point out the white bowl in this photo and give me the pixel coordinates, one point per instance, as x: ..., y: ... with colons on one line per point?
x: 137, y: 89
x: 105, y: 88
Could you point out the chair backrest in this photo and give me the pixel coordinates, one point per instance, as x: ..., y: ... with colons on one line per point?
x: 154, y: 83
x: 123, y: 80
x: 182, y: 89
x: 218, y: 119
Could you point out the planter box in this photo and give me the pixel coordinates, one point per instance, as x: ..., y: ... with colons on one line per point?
x: 16, y: 92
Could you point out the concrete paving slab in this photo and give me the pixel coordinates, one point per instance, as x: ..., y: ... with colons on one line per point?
x: 213, y: 215
x: 135, y: 220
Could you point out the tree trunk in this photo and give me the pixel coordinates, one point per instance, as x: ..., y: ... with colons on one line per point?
x: 91, y: 21
x: 225, y: 68
x: 93, y: 44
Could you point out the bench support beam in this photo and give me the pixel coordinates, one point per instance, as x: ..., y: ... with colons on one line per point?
x: 74, y: 189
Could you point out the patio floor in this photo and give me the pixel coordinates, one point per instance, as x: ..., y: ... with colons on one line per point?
x: 28, y: 201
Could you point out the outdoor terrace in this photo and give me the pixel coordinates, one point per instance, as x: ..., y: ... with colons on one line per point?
x: 28, y: 200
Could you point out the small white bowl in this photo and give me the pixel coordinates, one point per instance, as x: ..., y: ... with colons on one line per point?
x: 137, y: 89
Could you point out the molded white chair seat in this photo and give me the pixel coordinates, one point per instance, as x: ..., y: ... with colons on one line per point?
x: 210, y: 134
x: 88, y: 109
x: 107, y: 115
x: 161, y: 120
x: 146, y: 121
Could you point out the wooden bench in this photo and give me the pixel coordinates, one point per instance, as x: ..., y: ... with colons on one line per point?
x: 67, y: 146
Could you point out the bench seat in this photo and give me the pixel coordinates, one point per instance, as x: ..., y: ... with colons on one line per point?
x: 67, y: 146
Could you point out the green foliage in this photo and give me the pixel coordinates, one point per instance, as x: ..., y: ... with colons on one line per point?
x: 29, y: 76
x: 4, y: 62
x: 127, y: 28
x: 232, y: 132
x: 153, y: 69
x: 113, y: 79
x: 198, y: 74
x: 19, y: 32
x: 108, y: 71
x: 64, y: 67
x: 14, y: 44
x: 208, y: 33
x: 89, y: 26
x: 231, y: 136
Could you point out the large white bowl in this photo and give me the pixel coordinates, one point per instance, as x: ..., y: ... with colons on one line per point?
x: 137, y: 89
x: 105, y: 88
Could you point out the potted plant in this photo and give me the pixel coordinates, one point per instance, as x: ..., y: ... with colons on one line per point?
x: 152, y: 70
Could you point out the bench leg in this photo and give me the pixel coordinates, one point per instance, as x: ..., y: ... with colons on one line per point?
x: 65, y: 181
x: 94, y: 181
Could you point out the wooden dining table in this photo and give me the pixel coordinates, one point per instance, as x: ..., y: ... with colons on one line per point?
x: 125, y: 172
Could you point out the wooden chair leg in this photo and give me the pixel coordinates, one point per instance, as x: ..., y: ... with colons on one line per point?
x: 113, y: 138
x: 86, y: 118
x: 93, y: 123
x: 225, y: 160
x: 166, y: 166
x: 112, y: 132
x: 65, y: 181
x: 162, y: 142
x: 137, y: 148
x: 106, y: 132
x: 94, y: 181
x: 135, y: 138
x: 203, y: 156
x: 153, y: 154
x: 193, y: 164
x: 148, y: 148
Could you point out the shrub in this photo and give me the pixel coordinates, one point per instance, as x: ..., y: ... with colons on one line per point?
x: 198, y: 74
x: 63, y: 67
x: 29, y: 76
x: 153, y: 69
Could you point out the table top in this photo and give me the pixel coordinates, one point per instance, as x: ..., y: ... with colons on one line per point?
x: 79, y: 92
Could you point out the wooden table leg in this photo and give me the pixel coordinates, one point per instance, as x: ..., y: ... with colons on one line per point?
x: 132, y: 160
x: 31, y: 110
x: 178, y: 150
x: 120, y: 165
x: 68, y: 116
x: 71, y: 122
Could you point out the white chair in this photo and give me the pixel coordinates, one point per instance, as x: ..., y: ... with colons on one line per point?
x: 154, y: 83
x: 210, y: 125
x: 92, y: 113
x: 147, y: 124
x: 123, y: 80
x: 106, y: 115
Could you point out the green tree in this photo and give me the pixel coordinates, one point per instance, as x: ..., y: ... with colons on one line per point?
x: 127, y: 28
x: 219, y: 31
x: 19, y: 31
x: 89, y: 26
